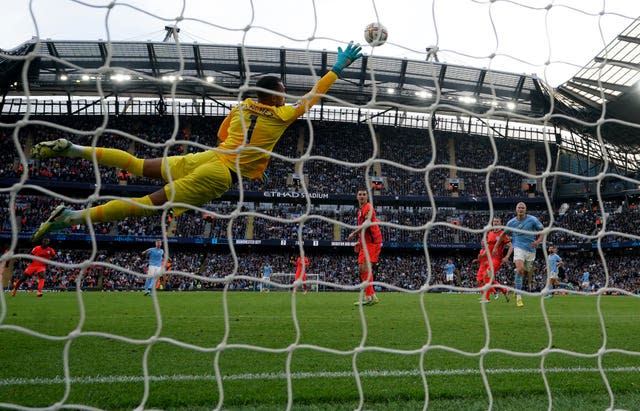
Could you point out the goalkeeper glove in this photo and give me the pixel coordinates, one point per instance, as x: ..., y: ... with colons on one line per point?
x: 346, y: 57
x: 264, y: 178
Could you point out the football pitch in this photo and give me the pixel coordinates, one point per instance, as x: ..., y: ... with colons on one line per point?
x: 317, y: 351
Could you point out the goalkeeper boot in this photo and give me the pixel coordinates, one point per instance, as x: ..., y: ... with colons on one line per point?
x: 48, y: 149
x: 373, y: 301
x: 58, y: 220
x: 519, y: 302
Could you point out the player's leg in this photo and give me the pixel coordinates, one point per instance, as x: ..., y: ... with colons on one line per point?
x: 154, y: 272
x: 553, y: 279
x: 374, y: 275
x: 22, y: 278
x: 296, y: 279
x: 481, y: 275
x: 519, y: 274
x: 494, y: 266
x: 196, y: 180
x: 304, y: 282
x: 374, y: 253
x: 62, y: 217
x: 488, y: 283
x: 365, y: 275
x: 41, y: 275
x: 111, y: 157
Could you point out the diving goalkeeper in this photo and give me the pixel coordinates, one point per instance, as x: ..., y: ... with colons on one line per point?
x: 200, y: 177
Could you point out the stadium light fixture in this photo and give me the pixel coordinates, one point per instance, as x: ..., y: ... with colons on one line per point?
x: 119, y: 78
x: 63, y: 77
x: 210, y: 79
x: 423, y: 94
x: 85, y: 77
x: 467, y: 99
x: 511, y: 105
x: 391, y: 90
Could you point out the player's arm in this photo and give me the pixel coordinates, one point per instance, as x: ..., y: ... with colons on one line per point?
x: 540, y: 238
x: 537, y: 241
x: 344, y: 60
x: 496, y: 246
x: 509, y: 252
x: 223, y: 131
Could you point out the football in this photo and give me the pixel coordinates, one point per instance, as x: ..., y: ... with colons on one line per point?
x: 375, y: 34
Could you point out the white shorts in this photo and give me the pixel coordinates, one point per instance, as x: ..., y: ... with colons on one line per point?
x: 524, y: 255
x: 154, y: 270
x: 585, y: 284
x: 553, y: 275
x: 449, y: 277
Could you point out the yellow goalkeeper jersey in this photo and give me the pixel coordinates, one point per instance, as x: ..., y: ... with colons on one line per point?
x: 264, y: 125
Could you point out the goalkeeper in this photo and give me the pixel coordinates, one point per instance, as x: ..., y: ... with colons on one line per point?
x: 200, y: 177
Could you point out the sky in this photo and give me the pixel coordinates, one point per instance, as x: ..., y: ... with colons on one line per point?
x: 551, y: 39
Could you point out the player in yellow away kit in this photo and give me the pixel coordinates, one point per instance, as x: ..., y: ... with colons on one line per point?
x: 200, y: 177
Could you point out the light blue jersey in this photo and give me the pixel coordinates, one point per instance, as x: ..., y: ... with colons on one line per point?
x: 523, y: 240
x: 554, y: 260
x: 585, y: 277
x: 450, y: 268
x: 155, y: 256
x: 266, y: 271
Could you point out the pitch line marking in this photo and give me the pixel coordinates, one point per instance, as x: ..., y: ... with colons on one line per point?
x: 115, y: 379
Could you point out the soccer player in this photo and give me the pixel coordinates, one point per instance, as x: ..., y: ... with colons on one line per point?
x: 248, y: 135
x: 449, y: 269
x: 36, y: 267
x: 584, y: 284
x: 154, y: 269
x: 368, y: 246
x: 554, y: 263
x: 524, y: 245
x: 267, y: 270
x: 302, y: 264
x: 496, y: 241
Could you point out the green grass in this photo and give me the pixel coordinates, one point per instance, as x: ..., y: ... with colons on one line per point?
x: 107, y: 339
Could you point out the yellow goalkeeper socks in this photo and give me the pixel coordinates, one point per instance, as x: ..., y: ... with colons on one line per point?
x: 115, y: 210
x: 112, y: 157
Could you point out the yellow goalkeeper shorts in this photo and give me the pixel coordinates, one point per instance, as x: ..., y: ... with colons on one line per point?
x: 196, y: 179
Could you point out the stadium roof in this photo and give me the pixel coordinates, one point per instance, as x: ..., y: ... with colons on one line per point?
x: 609, y: 82
x: 217, y: 72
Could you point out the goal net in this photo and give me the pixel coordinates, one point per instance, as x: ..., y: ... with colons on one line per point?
x: 286, y: 282
x: 467, y: 110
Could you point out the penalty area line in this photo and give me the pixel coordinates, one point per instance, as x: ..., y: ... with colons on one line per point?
x: 117, y: 379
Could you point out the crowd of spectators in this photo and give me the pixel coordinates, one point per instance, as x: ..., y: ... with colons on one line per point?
x: 573, y: 224
x: 403, y: 158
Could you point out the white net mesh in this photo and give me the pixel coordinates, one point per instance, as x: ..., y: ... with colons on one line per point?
x: 428, y: 345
